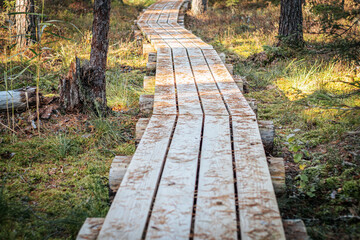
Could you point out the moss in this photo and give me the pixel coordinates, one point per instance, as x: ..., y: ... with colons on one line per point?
x: 352, y: 189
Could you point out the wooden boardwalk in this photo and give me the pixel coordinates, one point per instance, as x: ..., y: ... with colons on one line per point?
x: 200, y: 170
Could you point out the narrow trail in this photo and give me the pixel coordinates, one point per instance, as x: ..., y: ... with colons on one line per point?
x: 200, y: 170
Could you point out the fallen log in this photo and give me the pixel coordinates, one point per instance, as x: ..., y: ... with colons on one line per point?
x: 19, y: 99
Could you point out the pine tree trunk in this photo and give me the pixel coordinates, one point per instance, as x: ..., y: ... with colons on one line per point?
x: 84, y: 89
x: 199, y: 6
x: 25, y: 23
x: 291, y: 22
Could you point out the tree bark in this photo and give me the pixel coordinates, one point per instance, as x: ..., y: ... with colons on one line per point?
x: 84, y: 88
x: 98, y: 55
x: 199, y: 6
x: 25, y: 23
x: 291, y: 22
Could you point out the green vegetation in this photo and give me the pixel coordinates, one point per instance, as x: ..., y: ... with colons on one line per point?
x: 49, y: 184
x: 313, y: 96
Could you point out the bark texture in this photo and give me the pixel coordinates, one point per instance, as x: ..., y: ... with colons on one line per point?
x: 99, y: 50
x: 199, y: 6
x: 25, y: 23
x: 291, y: 22
x: 84, y: 88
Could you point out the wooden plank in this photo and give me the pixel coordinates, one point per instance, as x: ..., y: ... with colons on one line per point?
x: 259, y: 213
x: 90, y: 229
x: 233, y: 97
x: 164, y: 98
x: 128, y: 213
x: 188, y: 98
x: 215, y: 209
x: 172, y: 212
x: 210, y: 96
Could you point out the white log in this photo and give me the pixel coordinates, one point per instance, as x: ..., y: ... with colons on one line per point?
x: 149, y: 83
x: 295, y: 229
x: 222, y: 57
x: 239, y: 80
x: 90, y: 229
x: 152, y: 57
x: 117, y: 172
x: 151, y: 66
x: 146, y: 103
x: 230, y: 68
x: 140, y: 128
x: 277, y: 172
x: 267, y: 132
x: 19, y: 99
x: 253, y: 105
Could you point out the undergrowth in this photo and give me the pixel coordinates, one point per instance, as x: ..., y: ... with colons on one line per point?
x: 50, y: 184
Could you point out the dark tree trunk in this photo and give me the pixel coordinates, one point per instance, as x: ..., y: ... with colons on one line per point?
x: 84, y: 89
x: 25, y: 22
x: 291, y: 22
x: 199, y: 6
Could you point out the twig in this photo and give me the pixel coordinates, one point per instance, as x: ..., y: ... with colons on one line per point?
x: 8, y: 127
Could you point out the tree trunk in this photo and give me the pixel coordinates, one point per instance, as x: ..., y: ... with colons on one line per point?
x: 291, y: 22
x: 25, y: 23
x: 99, y: 50
x: 199, y: 6
x: 84, y: 88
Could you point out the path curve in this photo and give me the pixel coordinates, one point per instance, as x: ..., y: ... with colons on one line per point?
x: 200, y: 170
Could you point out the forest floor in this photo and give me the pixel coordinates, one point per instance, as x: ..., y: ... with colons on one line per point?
x: 52, y: 181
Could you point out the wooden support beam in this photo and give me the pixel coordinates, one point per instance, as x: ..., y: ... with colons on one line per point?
x: 90, y: 229
x: 295, y: 229
x: 253, y: 105
x: 146, y: 103
x: 222, y: 57
x: 152, y: 57
x: 140, y: 128
x: 277, y: 172
x: 230, y: 68
x: 267, y: 132
x: 151, y: 67
x: 117, y: 172
x: 149, y: 83
x: 239, y: 82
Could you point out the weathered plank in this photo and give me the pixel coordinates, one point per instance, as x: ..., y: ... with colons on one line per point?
x: 215, y: 216
x: 233, y: 97
x: 90, y: 229
x: 172, y: 212
x: 188, y: 98
x: 164, y: 98
x: 129, y: 211
x: 208, y: 91
x: 259, y: 213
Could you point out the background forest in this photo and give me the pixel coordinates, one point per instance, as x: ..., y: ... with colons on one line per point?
x: 54, y: 169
